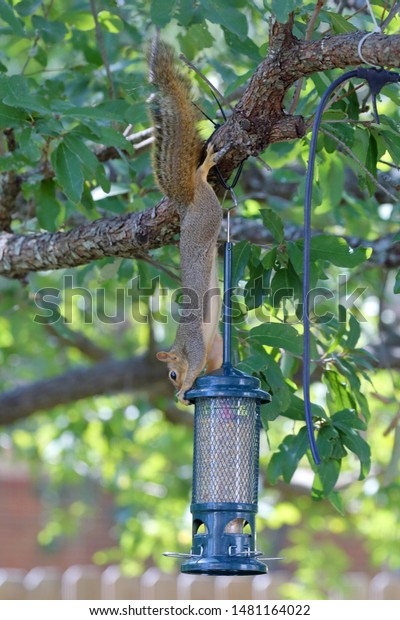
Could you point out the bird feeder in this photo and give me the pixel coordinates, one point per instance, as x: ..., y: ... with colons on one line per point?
x: 225, y: 464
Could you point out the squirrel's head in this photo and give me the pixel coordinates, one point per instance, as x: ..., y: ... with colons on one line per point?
x: 177, y: 367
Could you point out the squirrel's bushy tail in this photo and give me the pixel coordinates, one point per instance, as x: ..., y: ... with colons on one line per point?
x: 177, y: 143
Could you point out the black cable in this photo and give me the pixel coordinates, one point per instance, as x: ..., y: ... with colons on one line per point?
x: 376, y: 78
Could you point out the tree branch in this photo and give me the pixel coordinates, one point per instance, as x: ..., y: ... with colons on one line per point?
x: 391, y: 15
x: 128, y: 236
x: 257, y: 121
x: 259, y: 118
x: 132, y: 235
x: 106, y: 377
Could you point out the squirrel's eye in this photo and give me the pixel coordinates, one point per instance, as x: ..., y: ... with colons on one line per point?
x: 172, y: 375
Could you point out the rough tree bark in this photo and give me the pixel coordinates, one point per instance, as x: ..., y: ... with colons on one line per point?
x: 258, y: 120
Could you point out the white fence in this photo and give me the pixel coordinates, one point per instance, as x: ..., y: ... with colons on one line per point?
x: 92, y: 583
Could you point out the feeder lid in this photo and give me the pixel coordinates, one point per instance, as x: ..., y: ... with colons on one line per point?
x: 229, y: 382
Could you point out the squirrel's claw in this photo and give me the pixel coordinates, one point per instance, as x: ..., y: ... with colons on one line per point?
x: 180, y: 395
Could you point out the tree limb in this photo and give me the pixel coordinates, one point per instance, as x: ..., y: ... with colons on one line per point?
x: 106, y: 377
x: 257, y: 121
x: 128, y: 236
x: 259, y: 118
x: 133, y: 235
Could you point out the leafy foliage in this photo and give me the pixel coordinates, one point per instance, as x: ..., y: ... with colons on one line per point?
x: 68, y: 90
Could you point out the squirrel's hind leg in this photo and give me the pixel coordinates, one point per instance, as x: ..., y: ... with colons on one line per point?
x: 215, y: 353
x: 208, y: 163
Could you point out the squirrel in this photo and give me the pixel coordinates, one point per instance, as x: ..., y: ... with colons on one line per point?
x: 176, y: 156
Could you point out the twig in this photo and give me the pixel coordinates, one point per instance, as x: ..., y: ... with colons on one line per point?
x: 102, y: 48
x: 169, y: 273
x: 10, y: 187
x: 143, y: 146
x: 391, y: 15
x: 309, y: 31
x: 206, y: 80
x: 353, y: 121
x: 347, y: 18
x: 37, y: 37
x: 349, y: 152
x: 139, y: 135
x: 334, y: 99
x: 388, y: 163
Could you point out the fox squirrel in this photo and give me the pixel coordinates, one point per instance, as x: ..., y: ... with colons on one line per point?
x: 177, y: 152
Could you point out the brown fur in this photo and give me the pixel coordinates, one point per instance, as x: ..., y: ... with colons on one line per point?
x: 177, y: 150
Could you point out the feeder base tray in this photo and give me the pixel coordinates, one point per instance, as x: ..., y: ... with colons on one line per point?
x: 220, y: 565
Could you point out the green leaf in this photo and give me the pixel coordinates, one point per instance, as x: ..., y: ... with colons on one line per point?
x: 354, y: 332
x: 81, y: 20
x: 108, y: 136
x: 68, y: 171
x: 396, y: 288
x: 326, y: 438
x: 286, y: 285
x: 8, y: 15
x: 85, y: 155
x: 197, y: 37
x: 257, y: 286
x: 337, y: 251
x: 277, y: 386
x: 285, y: 461
x: 347, y: 419
x: 93, y: 169
x: 17, y: 92
x: 370, y: 163
x: 269, y: 260
x: 242, y: 45
x: 110, y: 111
x: 27, y: 7
x: 10, y: 116
x: 110, y: 22
x: 296, y: 411
x: 30, y: 145
x: 224, y: 14
x: 277, y: 335
x: 354, y: 442
x: 185, y: 13
x: 47, y: 206
x: 339, y: 395
x: 325, y: 478
x: 337, y: 502
x: 282, y: 8
x: 51, y: 31
x: 338, y: 22
x: 255, y: 362
x: 390, y: 137
x: 161, y: 13
x: 240, y: 259
x: 273, y: 223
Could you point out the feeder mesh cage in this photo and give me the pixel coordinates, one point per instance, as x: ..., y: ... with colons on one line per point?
x: 226, y: 449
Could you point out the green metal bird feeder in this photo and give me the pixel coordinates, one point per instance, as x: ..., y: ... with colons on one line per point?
x: 225, y: 464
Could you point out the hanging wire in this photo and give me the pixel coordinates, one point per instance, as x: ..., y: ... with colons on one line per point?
x: 376, y: 78
x: 227, y: 310
x: 377, y: 29
x: 307, y: 252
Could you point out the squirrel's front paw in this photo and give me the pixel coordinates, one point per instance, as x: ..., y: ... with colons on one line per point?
x: 180, y: 395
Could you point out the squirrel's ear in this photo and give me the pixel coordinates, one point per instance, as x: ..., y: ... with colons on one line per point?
x: 166, y: 356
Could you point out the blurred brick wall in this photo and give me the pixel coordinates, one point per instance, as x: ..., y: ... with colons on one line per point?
x: 23, y: 514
